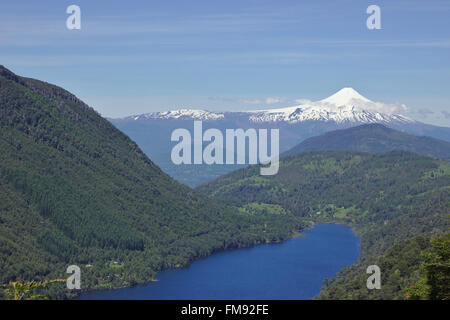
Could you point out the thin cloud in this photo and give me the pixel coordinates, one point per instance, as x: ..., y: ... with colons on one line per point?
x: 446, y: 114
x: 271, y: 100
x: 442, y: 43
x: 249, y: 101
x: 424, y: 112
x: 303, y: 101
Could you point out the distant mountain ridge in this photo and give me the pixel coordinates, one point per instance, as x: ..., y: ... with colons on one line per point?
x: 346, y: 105
x: 373, y: 138
x: 344, y: 109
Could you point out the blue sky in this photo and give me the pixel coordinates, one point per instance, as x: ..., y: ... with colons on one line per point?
x: 133, y: 56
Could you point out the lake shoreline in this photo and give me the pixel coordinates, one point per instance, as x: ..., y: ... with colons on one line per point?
x: 299, y: 234
x: 295, y: 234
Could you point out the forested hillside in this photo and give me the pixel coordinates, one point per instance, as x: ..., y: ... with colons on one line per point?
x: 416, y: 268
x: 75, y: 190
x: 373, y: 138
x: 388, y: 199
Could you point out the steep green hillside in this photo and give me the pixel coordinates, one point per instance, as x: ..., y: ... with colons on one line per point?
x: 387, y: 198
x: 75, y: 190
x: 373, y: 138
x: 417, y: 268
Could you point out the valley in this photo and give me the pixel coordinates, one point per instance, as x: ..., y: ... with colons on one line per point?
x: 343, y: 110
x: 387, y: 198
x: 77, y: 191
x: 292, y: 269
x: 204, y: 152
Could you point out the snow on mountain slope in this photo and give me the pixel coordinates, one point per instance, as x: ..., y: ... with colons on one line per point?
x: 339, y: 115
x: 346, y: 105
x: 181, y: 114
x: 345, y: 96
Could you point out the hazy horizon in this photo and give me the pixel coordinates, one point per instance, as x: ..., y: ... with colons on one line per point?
x: 139, y: 57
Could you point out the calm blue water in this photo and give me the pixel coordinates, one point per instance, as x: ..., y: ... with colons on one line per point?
x: 293, y: 269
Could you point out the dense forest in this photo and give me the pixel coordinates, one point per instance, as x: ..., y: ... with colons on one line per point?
x: 416, y: 268
x: 397, y: 202
x: 74, y: 190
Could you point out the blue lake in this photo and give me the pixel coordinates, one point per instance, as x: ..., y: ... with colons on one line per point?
x: 294, y: 269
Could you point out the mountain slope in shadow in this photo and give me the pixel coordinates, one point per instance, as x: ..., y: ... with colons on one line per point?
x: 373, y: 138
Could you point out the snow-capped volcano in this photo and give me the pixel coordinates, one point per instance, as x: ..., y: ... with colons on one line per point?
x: 345, y: 106
x: 344, y: 109
x: 345, y: 96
